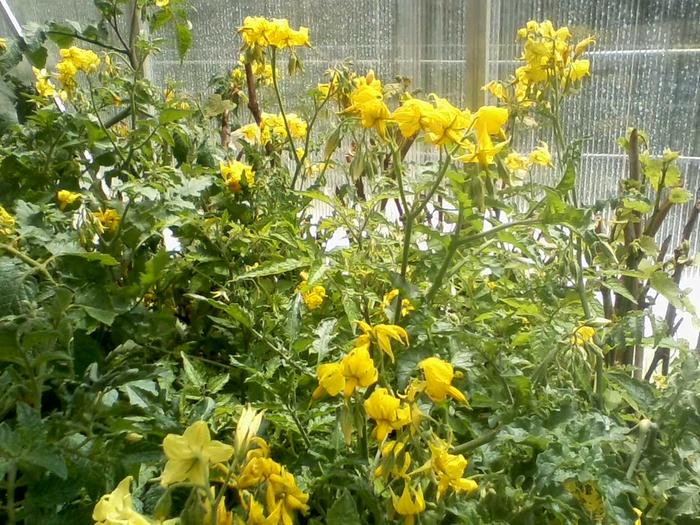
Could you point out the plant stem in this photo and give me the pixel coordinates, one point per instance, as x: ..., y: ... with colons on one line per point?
x: 451, y: 251
x: 89, y: 41
x: 11, y: 480
x: 273, y: 64
x: 477, y: 442
x: 40, y: 267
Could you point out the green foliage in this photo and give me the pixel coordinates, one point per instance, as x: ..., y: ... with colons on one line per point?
x: 112, y: 338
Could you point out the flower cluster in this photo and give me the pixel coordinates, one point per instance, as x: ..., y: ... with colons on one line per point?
x: 259, y: 32
x: 582, y: 335
x: 72, y: 61
x: 388, y: 302
x: 66, y: 198
x: 234, y: 173
x: 367, y: 102
x: 272, y: 127
x: 107, y: 220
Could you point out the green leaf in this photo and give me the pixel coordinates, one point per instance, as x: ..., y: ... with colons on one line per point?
x: 679, y: 196
x: 193, y: 375
x: 277, y: 268
x: 620, y: 289
x: 183, y: 39
x: 104, y: 316
x: 343, y: 511
x: 324, y: 335
x: 662, y: 283
x: 172, y: 115
x: 636, y: 205
x: 216, y: 105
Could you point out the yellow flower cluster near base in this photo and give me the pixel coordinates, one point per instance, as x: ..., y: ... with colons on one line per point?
x: 387, y: 411
x: 107, y: 220
x: 7, y: 222
x: 409, y: 504
x: 65, y: 198
x: 449, y: 469
x: 235, y: 173
x: 367, y: 102
x: 259, y: 32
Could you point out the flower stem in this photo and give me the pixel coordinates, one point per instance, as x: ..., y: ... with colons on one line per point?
x: 273, y: 63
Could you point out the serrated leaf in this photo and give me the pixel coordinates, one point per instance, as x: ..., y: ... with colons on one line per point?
x: 183, y: 39
x: 620, y: 289
x: 277, y: 268
x: 343, y: 511
x: 324, y: 335
x: 193, y: 375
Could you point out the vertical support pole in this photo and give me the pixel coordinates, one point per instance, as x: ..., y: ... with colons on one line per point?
x: 477, y: 28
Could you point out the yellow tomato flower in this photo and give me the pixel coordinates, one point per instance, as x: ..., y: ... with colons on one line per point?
x: 282, y: 489
x: 358, y: 369
x: 497, y: 89
x: 108, y: 220
x: 448, y: 469
x: 411, y: 115
x: 409, y: 504
x: 583, y: 46
x: 117, y: 507
x: 7, y: 222
x: 272, y: 127
x: 638, y: 513
x: 541, y: 155
x: 516, y: 162
x: 331, y: 380
x: 396, y: 460
x: 314, y: 297
x: 43, y: 84
x: 66, y: 198
x: 190, y: 455
x: 438, y: 378
x: 256, y: 513
x: 3, y: 44
x: 234, y: 172
x: 580, y: 69
x: 582, y: 335
x: 249, y: 133
x: 387, y: 411
x: 382, y: 334
x: 445, y: 124
x: 406, y: 305
x: 367, y: 102
x: 246, y: 429
x: 257, y: 31
x: 162, y: 3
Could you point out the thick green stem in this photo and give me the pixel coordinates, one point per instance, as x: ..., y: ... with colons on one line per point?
x: 11, y: 481
x: 273, y: 64
x: 451, y: 251
x: 40, y: 267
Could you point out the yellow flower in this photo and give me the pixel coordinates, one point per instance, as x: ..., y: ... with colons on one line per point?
x: 234, y: 172
x: 382, y: 334
x: 387, y: 411
x: 396, y: 460
x: 367, y: 101
x: 583, y: 46
x: 488, y: 121
x: 638, y: 513
x: 162, y: 3
x: 540, y: 155
x: 582, y: 335
x: 282, y: 488
x: 406, y: 305
x: 190, y: 454
x: 517, y: 162
x: 272, y: 127
x: 409, y: 504
x: 497, y: 89
x: 66, y: 198
x: 660, y: 381
x: 73, y: 60
x: 580, y: 69
x: 410, y: 116
x: 3, y: 44
x: 7, y: 222
x: 256, y: 471
x: 449, y: 469
x: 445, y: 124
x: 331, y: 380
x: 438, y: 377
x: 256, y: 514
x: 246, y: 429
x: 358, y: 369
x: 43, y: 84
x: 108, y: 220
x: 116, y: 508
x: 314, y: 297
x: 260, y: 32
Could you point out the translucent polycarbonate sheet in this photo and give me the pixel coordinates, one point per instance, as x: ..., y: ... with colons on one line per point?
x: 645, y: 74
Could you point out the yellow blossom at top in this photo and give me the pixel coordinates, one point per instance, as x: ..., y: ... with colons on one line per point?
x: 541, y: 155
x: 406, y: 305
x: 190, y: 455
x: 449, y: 469
x: 3, y: 44
x: 580, y: 69
x: 382, y: 334
x: 582, y: 335
x: 65, y: 198
x: 246, y: 429
x: 583, y: 46
x: 488, y: 122
x: 409, y: 504
x: 7, y: 222
x: 387, y: 411
x: 73, y: 60
x: 234, y: 172
x: 257, y: 31
x: 438, y: 378
x: 43, y: 84
x: 117, y: 507
x: 367, y: 102
x: 108, y: 220
x: 162, y: 3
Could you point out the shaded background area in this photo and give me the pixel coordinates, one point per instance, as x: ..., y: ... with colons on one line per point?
x: 645, y: 65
